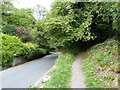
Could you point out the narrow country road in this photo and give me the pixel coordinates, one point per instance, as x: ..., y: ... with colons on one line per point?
x: 27, y: 74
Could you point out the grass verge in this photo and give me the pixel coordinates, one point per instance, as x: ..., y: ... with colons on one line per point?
x: 61, y: 74
x: 101, y: 65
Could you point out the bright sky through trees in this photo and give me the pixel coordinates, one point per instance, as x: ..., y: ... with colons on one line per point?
x: 32, y: 3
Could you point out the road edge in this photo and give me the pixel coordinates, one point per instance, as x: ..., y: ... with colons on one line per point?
x: 39, y: 83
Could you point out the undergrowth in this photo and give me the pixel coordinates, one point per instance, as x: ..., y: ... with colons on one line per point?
x: 101, y: 65
x: 61, y: 73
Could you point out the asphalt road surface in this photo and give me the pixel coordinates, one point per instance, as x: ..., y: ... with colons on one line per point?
x: 27, y: 74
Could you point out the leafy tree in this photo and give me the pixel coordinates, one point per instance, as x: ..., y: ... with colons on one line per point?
x: 58, y: 26
x: 77, y: 21
x: 116, y: 16
x: 7, y: 8
x: 17, y: 17
x: 25, y: 19
x: 38, y: 35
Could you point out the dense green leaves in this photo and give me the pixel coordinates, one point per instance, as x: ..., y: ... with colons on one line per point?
x: 38, y: 35
x: 9, y: 29
x: 17, y: 17
x: 77, y: 21
x: 25, y: 19
x: 57, y: 31
x: 66, y: 23
x: 13, y: 47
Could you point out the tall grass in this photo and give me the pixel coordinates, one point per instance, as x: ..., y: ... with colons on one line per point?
x: 100, y: 65
x: 61, y: 74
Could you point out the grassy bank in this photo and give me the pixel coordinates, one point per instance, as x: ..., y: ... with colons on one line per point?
x: 101, y: 66
x: 61, y: 74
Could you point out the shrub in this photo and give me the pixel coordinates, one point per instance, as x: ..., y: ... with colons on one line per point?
x: 9, y: 29
x: 13, y: 47
x: 23, y: 34
x: 34, y: 51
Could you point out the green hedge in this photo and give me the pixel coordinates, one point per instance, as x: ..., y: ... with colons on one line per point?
x: 13, y: 47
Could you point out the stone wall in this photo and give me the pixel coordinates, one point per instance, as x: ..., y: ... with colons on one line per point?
x: 18, y: 60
